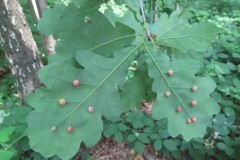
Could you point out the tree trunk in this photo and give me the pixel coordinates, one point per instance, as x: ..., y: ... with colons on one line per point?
x: 20, y: 49
x: 37, y: 7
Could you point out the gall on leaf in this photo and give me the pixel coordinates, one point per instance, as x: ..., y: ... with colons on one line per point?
x: 193, y: 103
x: 70, y: 129
x: 193, y: 119
x: 189, y: 121
x: 62, y: 101
x: 170, y: 72
x: 76, y: 83
x: 90, y: 109
x: 194, y: 88
x: 167, y: 93
x: 178, y: 109
x: 53, y: 129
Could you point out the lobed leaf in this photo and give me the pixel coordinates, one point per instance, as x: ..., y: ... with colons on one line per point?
x: 97, y: 90
x: 83, y: 28
x: 86, y: 41
x: 175, y: 32
x: 180, y: 87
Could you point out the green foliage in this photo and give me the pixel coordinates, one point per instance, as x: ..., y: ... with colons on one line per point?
x: 12, y: 132
x: 175, y: 32
x: 222, y: 64
x: 98, y: 53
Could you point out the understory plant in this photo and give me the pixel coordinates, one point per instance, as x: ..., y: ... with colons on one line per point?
x: 87, y: 80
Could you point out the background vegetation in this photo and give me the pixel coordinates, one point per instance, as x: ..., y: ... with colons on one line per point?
x: 222, y: 63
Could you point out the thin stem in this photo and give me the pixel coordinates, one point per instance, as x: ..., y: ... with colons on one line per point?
x: 10, y: 145
x: 142, y: 10
x: 155, y: 10
x: 144, y: 19
x: 177, y: 5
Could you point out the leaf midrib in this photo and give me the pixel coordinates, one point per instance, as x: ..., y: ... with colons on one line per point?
x: 95, y: 47
x: 100, y: 84
x: 165, y: 79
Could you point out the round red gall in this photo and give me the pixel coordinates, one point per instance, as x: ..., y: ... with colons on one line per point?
x: 76, y: 83
x: 62, y: 101
x: 167, y: 93
x: 70, y: 129
x: 178, y: 109
x: 90, y: 109
x: 188, y: 121
x: 193, y: 103
x: 194, y: 88
x: 170, y: 72
x: 53, y: 129
x: 193, y: 119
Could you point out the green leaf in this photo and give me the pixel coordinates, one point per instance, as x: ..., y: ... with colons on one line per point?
x: 154, y: 136
x: 138, y: 147
x: 229, y: 151
x: 221, y: 145
x: 122, y: 127
x: 148, y: 122
x: 83, y: 28
x: 176, y: 32
x: 139, y: 87
x: 157, y: 145
x: 118, y: 136
x: 180, y: 87
x: 164, y: 133
x: 79, y: 99
x: 110, y: 130
x: 219, y: 119
x: 162, y: 123
x: 5, y: 133
x: 131, y: 138
x: 230, y: 113
x: 196, y: 154
x: 7, y: 155
x: 143, y: 138
x: 170, y: 144
x: 198, y: 143
x: 137, y: 124
x: 98, y: 52
x: 87, y: 128
x: 176, y: 154
x: 221, y: 129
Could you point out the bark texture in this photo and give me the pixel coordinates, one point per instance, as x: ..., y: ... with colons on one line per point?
x: 37, y: 7
x: 20, y: 49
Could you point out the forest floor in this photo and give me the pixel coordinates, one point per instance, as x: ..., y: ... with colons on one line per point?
x: 109, y: 149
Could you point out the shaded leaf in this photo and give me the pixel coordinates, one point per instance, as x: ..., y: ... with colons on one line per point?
x: 170, y: 144
x: 180, y: 87
x: 157, y: 145
x: 7, y: 155
x: 118, y: 136
x: 99, y: 91
x: 219, y: 119
x: 138, y: 147
x: 175, y: 32
x: 69, y: 24
x: 131, y: 138
x: 5, y: 133
x: 143, y: 138
x: 122, y: 127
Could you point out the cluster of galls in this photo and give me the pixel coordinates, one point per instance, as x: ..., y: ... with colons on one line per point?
x: 63, y: 101
x: 193, y: 102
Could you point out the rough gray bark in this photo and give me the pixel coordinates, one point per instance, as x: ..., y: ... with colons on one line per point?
x: 20, y: 49
x: 37, y: 7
